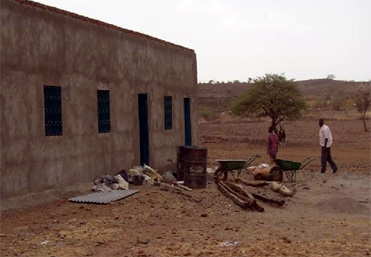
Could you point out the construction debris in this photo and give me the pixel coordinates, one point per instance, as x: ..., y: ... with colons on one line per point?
x: 177, y: 189
x: 103, y: 198
x: 152, y: 173
x: 105, y: 183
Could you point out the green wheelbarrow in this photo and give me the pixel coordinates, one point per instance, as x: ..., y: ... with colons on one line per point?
x: 289, y: 168
x: 232, y: 166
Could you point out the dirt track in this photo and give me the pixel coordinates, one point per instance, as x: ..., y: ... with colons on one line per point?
x: 329, y: 215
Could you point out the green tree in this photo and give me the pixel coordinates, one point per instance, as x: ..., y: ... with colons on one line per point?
x: 362, y: 99
x: 331, y: 76
x: 338, y: 103
x: 270, y: 96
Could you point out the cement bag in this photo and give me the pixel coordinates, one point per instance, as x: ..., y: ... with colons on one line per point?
x: 136, y: 171
x: 123, y: 184
x: 101, y: 188
x: 148, y: 180
x: 152, y: 173
x: 282, y: 189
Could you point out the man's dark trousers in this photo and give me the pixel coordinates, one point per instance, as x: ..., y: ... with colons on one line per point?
x: 326, y: 157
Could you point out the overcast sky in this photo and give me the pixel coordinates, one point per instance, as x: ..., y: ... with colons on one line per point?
x: 238, y: 39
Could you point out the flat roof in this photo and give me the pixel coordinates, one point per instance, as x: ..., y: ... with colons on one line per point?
x: 97, y: 22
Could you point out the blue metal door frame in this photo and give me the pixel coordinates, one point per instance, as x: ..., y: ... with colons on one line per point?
x: 143, y: 128
x: 187, y: 122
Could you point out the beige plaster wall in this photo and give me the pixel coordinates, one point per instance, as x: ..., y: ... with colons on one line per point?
x: 42, y: 47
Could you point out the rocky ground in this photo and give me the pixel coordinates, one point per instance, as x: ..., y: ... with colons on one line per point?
x: 328, y: 216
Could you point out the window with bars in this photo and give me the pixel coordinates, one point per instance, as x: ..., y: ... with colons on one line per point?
x: 168, y: 110
x: 53, y: 111
x: 104, y: 121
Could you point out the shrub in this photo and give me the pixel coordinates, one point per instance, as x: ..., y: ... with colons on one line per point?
x: 207, y: 113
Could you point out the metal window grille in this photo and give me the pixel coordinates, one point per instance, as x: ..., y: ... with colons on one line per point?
x: 53, y: 111
x: 104, y: 121
x: 168, y: 109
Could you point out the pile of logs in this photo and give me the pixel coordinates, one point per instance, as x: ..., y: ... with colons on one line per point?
x: 238, y: 192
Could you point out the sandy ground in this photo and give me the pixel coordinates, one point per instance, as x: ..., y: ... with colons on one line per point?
x: 328, y: 216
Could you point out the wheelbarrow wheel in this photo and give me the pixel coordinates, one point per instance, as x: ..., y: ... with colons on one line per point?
x: 221, y: 174
x: 276, y: 174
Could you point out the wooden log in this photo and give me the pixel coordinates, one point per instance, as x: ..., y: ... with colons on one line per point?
x: 232, y: 196
x: 252, y: 183
x: 184, y: 187
x: 263, y: 198
x: 177, y: 190
x: 245, y: 195
x: 169, y: 187
x: 250, y: 200
x: 243, y: 190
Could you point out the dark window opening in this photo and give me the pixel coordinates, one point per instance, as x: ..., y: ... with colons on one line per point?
x: 168, y: 109
x: 53, y: 111
x: 104, y: 121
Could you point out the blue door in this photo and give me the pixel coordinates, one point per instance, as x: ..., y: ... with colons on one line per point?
x: 143, y: 129
x: 187, y: 122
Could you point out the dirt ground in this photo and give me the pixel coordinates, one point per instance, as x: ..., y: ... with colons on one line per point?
x: 328, y: 216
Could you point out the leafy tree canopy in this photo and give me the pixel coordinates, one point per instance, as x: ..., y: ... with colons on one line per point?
x: 270, y: 96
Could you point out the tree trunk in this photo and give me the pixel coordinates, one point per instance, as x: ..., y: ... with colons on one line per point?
x: 364, y: 123
x: 274, y: 124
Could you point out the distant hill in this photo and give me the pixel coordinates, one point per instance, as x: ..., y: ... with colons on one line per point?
x: 219, y: 96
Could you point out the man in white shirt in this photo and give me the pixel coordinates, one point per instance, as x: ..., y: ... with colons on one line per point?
x: 325, y: 140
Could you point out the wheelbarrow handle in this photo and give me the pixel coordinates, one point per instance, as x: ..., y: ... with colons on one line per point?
x: 249, y: 161
x: 305, y: 162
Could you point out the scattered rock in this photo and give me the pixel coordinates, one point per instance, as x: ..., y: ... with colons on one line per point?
x: 286, y: 240
x: 143, y: 241
x: 101, y: 242
x: 229, y: 243
x: 71, y: 221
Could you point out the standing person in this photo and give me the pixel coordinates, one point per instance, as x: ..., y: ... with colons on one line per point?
x: 325, y: 140
x: 282, y: 136
x: 272, y: 141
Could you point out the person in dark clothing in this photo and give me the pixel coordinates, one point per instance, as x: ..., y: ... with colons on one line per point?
x: 282, y: 136
x: 325, y: 140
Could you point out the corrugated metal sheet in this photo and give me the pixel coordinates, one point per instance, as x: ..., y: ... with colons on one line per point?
x: 103, y: 198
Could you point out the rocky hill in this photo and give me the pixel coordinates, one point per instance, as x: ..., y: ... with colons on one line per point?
x: 219, y: 96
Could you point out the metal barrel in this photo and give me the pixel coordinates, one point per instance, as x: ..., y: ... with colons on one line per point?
x: 191, y: 165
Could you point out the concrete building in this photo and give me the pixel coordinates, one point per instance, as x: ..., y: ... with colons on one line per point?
x: 82, y: 98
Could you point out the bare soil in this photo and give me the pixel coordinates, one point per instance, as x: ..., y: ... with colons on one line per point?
x: 328, y: 216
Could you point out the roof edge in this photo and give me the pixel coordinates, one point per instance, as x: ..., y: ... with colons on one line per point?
x: 99, y: 23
